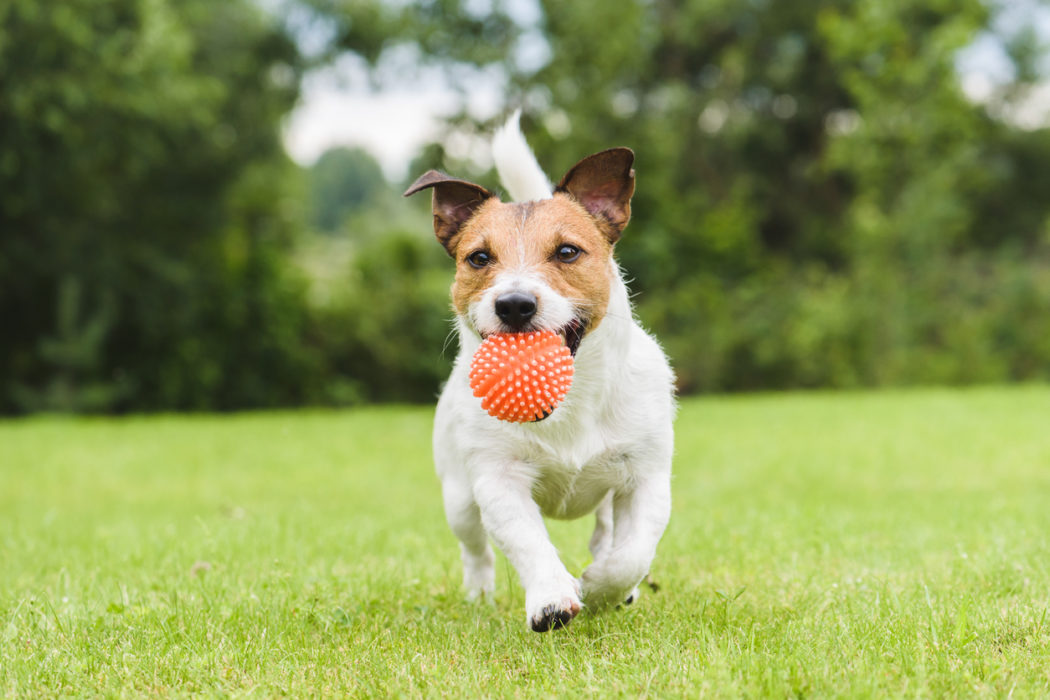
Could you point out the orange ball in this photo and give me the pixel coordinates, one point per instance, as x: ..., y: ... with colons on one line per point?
x: 521, y: 377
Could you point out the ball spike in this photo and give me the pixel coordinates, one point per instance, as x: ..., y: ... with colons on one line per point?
x: 521, y: 377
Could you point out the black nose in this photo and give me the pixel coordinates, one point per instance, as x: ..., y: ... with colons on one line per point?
x: 516, y: 308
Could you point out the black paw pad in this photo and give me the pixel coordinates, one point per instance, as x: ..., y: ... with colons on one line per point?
x: 551, y: 618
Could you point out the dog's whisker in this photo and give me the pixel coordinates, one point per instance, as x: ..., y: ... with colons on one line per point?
x: 453, y: 332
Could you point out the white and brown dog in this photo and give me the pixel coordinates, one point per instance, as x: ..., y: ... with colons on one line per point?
x: 545, y: 261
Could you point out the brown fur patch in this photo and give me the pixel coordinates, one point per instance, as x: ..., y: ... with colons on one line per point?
x: 527, y: 236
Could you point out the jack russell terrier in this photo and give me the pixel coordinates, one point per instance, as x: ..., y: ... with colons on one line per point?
x: 544, y: 261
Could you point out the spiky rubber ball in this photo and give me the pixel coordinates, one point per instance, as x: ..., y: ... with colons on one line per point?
x: 521, y: 377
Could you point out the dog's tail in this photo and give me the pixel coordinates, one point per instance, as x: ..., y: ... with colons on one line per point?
x: 517, y: 167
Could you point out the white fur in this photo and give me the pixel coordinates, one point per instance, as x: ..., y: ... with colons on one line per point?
x: 607, y: 448
x: 517, y: 167
x: 554, y: 312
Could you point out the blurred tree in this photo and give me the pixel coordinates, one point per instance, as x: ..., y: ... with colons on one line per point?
x: 140, y: 155
x: 73, y: 353
x: 387, y: 327
x: 818, y: 203
x: 812, y: 181
x: 341, y: 181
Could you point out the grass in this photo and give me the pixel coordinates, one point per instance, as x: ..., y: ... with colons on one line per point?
x: 854, y: 545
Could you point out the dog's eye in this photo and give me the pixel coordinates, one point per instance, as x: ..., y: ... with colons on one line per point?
x: 479, y: 258
x: 567, y: 253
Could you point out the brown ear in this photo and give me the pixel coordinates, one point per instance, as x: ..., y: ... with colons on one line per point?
x: 603, y: 184
x: 454, y: 202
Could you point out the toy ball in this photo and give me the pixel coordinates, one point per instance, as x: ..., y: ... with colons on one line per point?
x: 521, y: 377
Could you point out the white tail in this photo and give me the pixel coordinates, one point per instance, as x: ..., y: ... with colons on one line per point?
x: 517, y: 167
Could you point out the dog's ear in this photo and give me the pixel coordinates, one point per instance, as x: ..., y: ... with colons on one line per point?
x: 603, y: 184
x: 454, y: 202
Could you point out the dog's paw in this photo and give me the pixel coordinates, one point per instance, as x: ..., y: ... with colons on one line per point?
x: 554, y: 617
x: 479, y: 585
x: 604, y: 598
x: 603, y: 588
x: 480, y: 593
x: 632, y: 597
x: 552, y: 608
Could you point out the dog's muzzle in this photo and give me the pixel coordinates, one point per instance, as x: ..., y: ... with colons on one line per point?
x: 516, y: 309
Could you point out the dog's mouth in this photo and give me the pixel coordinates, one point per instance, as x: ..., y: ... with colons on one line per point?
x: 571, y: 333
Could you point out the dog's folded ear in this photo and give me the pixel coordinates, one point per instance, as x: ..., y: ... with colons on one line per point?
x: 454, y: 202
x: 603, y: 184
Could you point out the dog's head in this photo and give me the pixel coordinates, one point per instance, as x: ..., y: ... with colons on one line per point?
x: 541, y: 265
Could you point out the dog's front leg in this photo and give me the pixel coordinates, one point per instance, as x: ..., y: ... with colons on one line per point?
x: 640, y: 516
x: 514, y: 521
x: 479, y: 577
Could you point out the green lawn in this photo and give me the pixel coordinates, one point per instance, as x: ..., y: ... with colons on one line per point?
x: 865, y: 544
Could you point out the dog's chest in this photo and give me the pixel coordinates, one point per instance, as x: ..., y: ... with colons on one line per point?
x: 571, y: 482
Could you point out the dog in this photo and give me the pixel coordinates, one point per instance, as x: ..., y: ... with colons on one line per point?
x: 544, y: 261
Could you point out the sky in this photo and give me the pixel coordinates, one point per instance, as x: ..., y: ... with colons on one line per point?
x: 339, y: 107
x: 392, y: 125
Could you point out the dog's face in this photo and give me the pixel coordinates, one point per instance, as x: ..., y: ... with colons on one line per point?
x: 542, y: 265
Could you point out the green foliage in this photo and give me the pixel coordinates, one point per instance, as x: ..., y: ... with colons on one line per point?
x: 387, y: 326
x: 141, y: 158
x: 829, y: 545
x: 342, y: 181
x: 73, y: 353
x: 380, y: 304
x: 818, y: 204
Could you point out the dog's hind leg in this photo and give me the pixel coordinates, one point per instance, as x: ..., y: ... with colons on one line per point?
x: 601, y: 538
x: 639, y: 518
x: 479, y: 577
